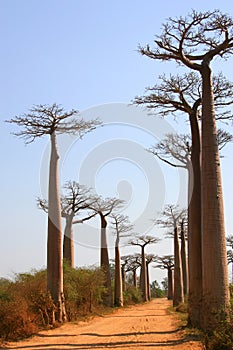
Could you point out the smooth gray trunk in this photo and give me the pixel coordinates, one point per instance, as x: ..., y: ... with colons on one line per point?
x: 118, y: 290
x: 144, y: 286
x: 54, y: 242
x: 194, y: 226
x: 178, y: 294
x: 68, y: 242
x: 104, y: 262
x: 214, y: 256
x: 170, y: 284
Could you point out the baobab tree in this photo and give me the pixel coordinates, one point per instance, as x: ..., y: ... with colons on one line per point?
x: 194, y: 41
x: 167, y: 262
x: 133, y: 263
x: 170, y: 218
x: 143, y: 241
x: 124, y: 262
x: 183, y: 237
x: 181, y: 95
x: 176, y: 150
x: 53, y: 120
x: 104, y: 208
x: 75, y: 199
x: 121, y: 227
x: 149, y: 259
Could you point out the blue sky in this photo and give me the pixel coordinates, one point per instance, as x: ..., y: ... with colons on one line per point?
x: 82, y: 55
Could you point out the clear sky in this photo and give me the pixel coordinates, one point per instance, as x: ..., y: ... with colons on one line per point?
x: 83, y: 55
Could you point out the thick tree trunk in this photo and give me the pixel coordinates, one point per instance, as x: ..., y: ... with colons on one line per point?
x: 68, y: 242
x: 194, y: 225
x: 104, y: 262
x: 170, y: 284
x: 54, y: 242
x: 144, y: 286
x: 214, y: 257
x: 123, y: 277
x: 148, y: 281
x: 178, y: 296
x: 118, y: 290
x: 135, y: 280
x: 184, y: 259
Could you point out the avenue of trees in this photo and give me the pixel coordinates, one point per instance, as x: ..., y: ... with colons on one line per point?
x: 197, y: 269
x: 194, y: 42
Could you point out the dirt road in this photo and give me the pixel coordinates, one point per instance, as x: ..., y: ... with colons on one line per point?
x: 147, y: 326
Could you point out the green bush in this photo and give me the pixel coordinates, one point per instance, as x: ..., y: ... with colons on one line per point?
x: 83, y: 290
x: 132, y: 295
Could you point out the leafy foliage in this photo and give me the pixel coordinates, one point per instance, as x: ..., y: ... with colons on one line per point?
x: 83, y: 289
x: 26, y: 306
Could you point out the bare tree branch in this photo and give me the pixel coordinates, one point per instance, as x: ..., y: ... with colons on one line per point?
x: 47, y: 119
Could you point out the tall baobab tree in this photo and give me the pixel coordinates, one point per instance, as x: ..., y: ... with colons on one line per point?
x: 167, y: 262
x: 122, y: 228
x: 52, y: 120
x: 176, y: 150
x: 143, y: 241
x: 182, y: 95
x: 104, y: 208
x: 194, y: 41
x: 77, y: 198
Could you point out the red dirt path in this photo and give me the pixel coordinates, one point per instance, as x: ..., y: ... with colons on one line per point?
x: 147, y: 326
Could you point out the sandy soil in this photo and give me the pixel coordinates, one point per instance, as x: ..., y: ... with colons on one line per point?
x: 147, y: 326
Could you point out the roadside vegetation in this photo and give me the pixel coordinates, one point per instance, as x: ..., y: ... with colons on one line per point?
x: 26, y: 305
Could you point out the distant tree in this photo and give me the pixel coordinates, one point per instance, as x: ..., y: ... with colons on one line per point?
x: 149, y: 259
x: 104, y: 208
x: 124, y: 262
x: 170, y: 218
x: 156, y: 291
x: 167, y: 262
x: 133, y: 263
x: 76, y: 199
x: 121, y: 227
x: 194, y: 41
x: 143, y: 241
x: 165, y: 285
x: 52, y: 120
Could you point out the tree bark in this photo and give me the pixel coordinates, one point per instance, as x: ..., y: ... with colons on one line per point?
x: 170, y: 284
x: 68, y: 242
x: 144, y: 286
x: 215, y: 274
x: 135, y: 279
x: 54, y: 242
x: 148, y: 282
x: 104, y: 262
x: 194, y: 226
x: 118, y: 290
x: 123, y: 274
x: 178, y: 296
x: 184, y: 259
